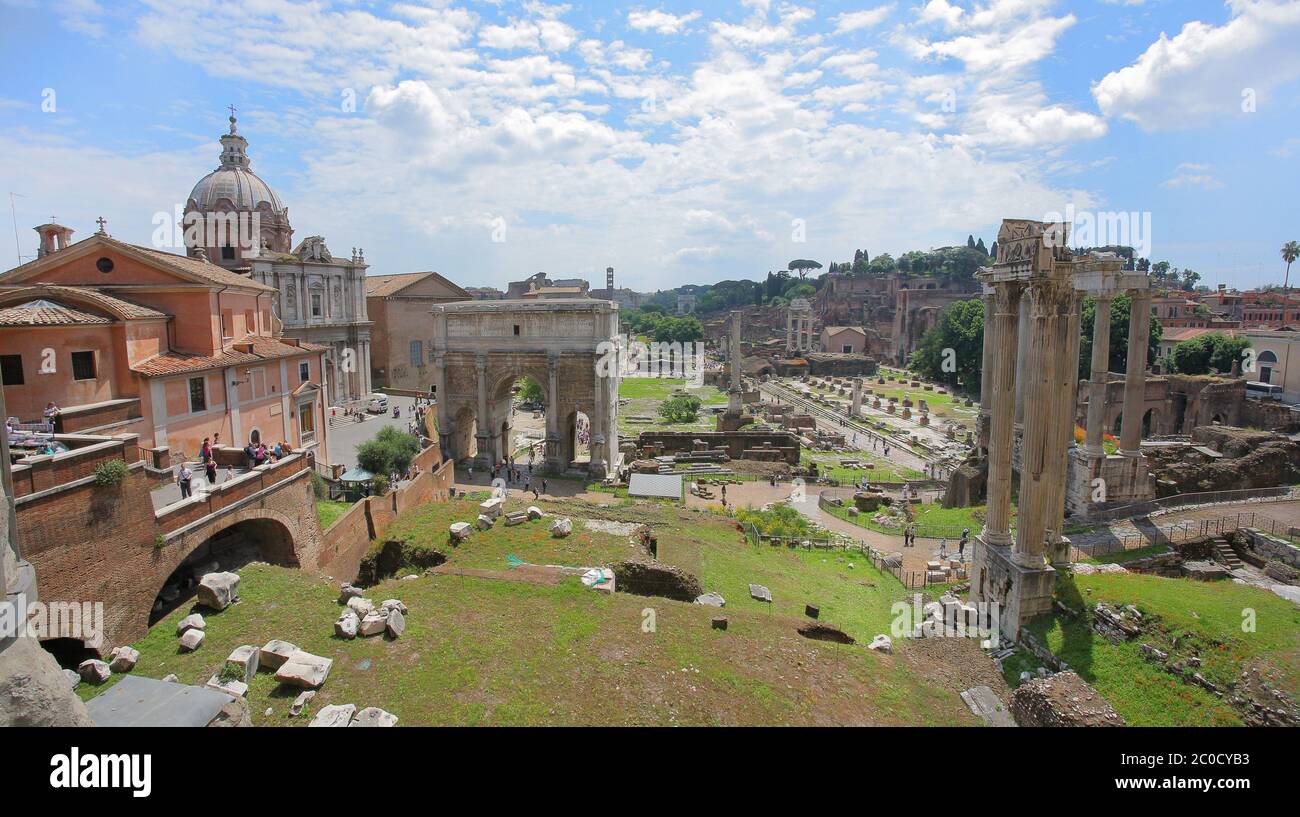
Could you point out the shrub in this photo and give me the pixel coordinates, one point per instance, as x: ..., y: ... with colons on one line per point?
x: 110, y: 472
x: 380, y: 484
x: 684, y: 408
x: 779, y: 520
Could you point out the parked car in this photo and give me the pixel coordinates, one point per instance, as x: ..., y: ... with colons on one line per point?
x: 378, y: 404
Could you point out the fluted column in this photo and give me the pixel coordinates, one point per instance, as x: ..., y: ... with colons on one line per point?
x: 1097, y: 379
x: 1061, y: 439
x: 1006, y: 323
x: 986, y: 372
x: 1022, y: 363
x: 1042, y: 455
x: 1139, y: 329
x: 440, y: 395
x: 554, y: 460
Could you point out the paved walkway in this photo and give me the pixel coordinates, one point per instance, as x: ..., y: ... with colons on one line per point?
x: 345, y: 437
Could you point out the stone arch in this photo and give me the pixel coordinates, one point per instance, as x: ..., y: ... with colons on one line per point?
x: 482, y: 347
x: 464, y: 427
x: 1150, y: 422
x: 258, y: 534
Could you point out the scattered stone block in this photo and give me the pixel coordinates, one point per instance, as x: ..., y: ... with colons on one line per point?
x: 561, y: 527
x: 882, y: 643
x: 374, y: 716
x: 534, y: 512
x: 123, y: 659
x: 812, y: 610
x: 460, y: 531
x: 94, y: 671
x: 711, y: 599
x: 373, y: 624
x: 304, y: 670
x: 300, y: 703
x: 334, y: 715
x: 217, y: 591
x: 362, y: 607
x: 275, y: 653
x: 484, y: 522
x: 396, y: 623
x: 233, y: 687
x: 347, y: 625
x: 71, y: 676
x: 193, y: 621
x: 760, y: 593
x: 515, y: 518
x: 191, y: 640
x: 171, y: 678
x: 392, y: 604
x: 718, y: 623
x: 347, y: 591
x: 245, y: 657
x: 492, y: 508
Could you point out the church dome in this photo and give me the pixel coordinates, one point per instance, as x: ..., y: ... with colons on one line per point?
x: 234, y: 181
x: 243, y: 188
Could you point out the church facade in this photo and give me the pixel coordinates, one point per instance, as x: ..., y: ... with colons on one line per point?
x: 320, y: 299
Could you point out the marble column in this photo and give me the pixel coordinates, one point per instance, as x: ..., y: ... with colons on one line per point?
x: 1022, y: 363
x: 1097, y: 378
x: 1006, y: 325
x: 789, y: 332
x: 554, y: 460
x: 1139, y: 329
x: 444, y: 421
x: 483, y: 434
x: 986, y: 372
x: 1043, y: 457
x: 1061, y: 438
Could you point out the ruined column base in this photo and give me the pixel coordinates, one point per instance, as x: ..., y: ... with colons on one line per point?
x: 733, y: 421
x: 1021, y: 592
x: 1124, y: 481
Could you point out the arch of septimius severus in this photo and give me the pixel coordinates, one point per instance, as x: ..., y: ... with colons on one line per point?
x: 481, y: 348
x: 1033, y: 298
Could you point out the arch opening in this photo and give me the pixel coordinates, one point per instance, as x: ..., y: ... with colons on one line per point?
x: 228, y: 550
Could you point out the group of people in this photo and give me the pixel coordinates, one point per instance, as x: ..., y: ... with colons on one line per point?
x: 513, y: 475
x: 259, y: 454
x: 255, y: 454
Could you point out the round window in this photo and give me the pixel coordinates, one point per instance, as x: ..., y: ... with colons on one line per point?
x: 104, y: 265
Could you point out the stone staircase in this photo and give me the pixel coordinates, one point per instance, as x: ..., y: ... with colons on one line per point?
x: 1224, y: 553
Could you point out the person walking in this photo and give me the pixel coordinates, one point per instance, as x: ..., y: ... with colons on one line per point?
x: 543, y: 484
x: 210, y: 469
x: 183, y: 479
x: 961, y: 546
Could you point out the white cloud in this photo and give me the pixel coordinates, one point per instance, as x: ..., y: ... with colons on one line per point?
x: 1203, y: 71
x: 867, y: 18
x: 1189, y: 174
x: 660, y: 22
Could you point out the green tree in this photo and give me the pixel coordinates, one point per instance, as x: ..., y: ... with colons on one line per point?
x: 684, y: 408
x: 1208, y: 353
x: 389, y: 451
x: 1119, y: 319
x: 952, y: 351
x: 530, y: 391
x: 802, y: 265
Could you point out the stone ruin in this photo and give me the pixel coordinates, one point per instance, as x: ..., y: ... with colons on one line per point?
x: 1223, y: 458
x: 1062, y: 699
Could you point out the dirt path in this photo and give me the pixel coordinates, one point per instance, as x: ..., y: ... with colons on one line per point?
x: 758, y: 494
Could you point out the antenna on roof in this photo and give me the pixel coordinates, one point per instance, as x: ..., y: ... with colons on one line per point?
x: 13, y: 213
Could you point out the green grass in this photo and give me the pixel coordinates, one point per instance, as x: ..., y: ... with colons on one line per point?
x: 881, y: 470
x: 530, y: 541
x: 1122, y: 556
x: 932, y: 520
x: 1189, y: 618
x: 490, y: 652
x: 328, y: 511
x: 646, y: 393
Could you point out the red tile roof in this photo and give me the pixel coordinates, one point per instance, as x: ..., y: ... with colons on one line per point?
x: 81, y: 296
x: 52, y: 315
x: 263, y: 349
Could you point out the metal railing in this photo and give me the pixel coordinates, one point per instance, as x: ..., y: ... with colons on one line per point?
x: 1179, y: 500
x: 1182, y: 532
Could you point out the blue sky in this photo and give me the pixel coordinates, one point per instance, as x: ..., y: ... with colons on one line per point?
x: 679, y: 142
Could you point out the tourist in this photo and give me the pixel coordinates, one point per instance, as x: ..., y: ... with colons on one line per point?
x: 724, y: 495
x: 943, y: 548
x: 543, y: 484
x: 210, y: 470
x: 230, y: 473
x: 183, y: 479
x: 205, y: 452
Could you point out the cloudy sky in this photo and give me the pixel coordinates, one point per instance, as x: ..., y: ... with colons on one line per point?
x: 679, y: 142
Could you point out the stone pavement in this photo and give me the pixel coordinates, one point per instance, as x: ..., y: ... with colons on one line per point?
x: 345, y: 437
x: 1190, y: 521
